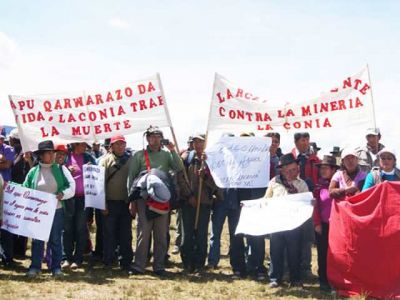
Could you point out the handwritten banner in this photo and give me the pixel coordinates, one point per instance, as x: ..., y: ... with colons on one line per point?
x: 28, y: 212
x: 265, y: 216
x: 239, y: 162
x: 89, y: 116
x: 93, y: 181
x: 347, y: 105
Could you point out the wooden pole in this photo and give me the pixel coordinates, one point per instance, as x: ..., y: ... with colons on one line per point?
x: 372, y: 97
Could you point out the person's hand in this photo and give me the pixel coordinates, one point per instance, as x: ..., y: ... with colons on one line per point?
x: 170, y: 147
x: 193, y: 201
x: 105, y: 212
x: 72, y: 169
x: 133, y: 209
x: 203, y: 156
x: 59, y: 196
x: 318, y: 229
x: 351, y: 190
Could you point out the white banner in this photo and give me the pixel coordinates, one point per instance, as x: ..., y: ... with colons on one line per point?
x: 89, y: 116
x: 347, y: 105
x: 28, y: 212
x: 265, y: 216
x: 239, y: 162
x: 93, y: 181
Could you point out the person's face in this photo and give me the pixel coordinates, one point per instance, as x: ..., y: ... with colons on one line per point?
x: 290, y: 171
x: 118, y: 148
x: 47, y: 157
x: 274, y: 144
x: 373, y: 140
x: 326, y: 171
x: 350, y: 162
x: 303, y: 144
x: 79, y: 148
x: 154, y: 140
x: 198, y: 145
x: 96, y: 147
x: 387, y: 161
x: 60, y: 157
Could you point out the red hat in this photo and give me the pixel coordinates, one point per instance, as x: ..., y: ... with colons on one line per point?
x: 117, y: 138
x: 61, y: 147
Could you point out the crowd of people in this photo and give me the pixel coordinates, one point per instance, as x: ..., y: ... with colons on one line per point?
x: 148, y: 184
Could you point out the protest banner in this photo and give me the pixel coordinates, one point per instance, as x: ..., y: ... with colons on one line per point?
x: 93, y: 182
x: 28, y: 212
x: 237, y: 162
x: 364, y: 238
x: 347, y: 105
x: 90, y: 116
x: 265, y: 216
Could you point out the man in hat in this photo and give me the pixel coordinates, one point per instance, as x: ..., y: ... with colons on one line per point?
x: 76, y: 233
x: 307, y: 159
x: 288, y: 182
x: 367, y: 155
x: 336, y: 154
x: 194, y: 242
x: 154, y: 156
x: 6, y: 162
x: 117, y: 221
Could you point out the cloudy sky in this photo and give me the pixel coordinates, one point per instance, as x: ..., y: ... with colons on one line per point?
x: 283, y: 50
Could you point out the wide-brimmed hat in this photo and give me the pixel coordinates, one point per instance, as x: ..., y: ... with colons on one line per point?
x: 61, y: 148
x: 387, y: 150
x: 47, y: 145
x: 153, y: 130
x: 328, y: 160
x: 14, y: 134
x: 336, y: 150
x: 348, y: 152
x: 199, y: 136
x: 314, y: 146
x: 287, y: 159
x: 247, y: 134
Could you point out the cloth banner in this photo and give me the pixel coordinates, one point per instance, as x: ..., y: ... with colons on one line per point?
x: 90, y: 116
x: 347, y: 105
x: 28, y: 212
x: 364, y: 243
x: 93, y: 181
x: 265, y: 216
x: 239, y: 162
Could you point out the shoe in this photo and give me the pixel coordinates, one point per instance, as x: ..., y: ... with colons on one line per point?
x: 273, y: 284
x: 33, y: 273
x: 296, y: 284
x: 75, y: 266
x: 65, y: 264
x: 260, y: 277
x: 160, y: 273
x: 212, y: 267
x: 133, y: 271
x: 325, y: 287
x: 236, y: 275
x: 176, y: 250
x: 58, y: 273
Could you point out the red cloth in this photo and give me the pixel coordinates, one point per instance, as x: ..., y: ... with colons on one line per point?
x: 364, y: 243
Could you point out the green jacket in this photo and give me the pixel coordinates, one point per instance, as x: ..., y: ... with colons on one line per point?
x: 31, y: 178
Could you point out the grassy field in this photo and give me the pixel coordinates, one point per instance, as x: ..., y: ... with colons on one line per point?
x: 92, y: 282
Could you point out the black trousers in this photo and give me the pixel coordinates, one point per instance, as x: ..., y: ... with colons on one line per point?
x: 322, y: 249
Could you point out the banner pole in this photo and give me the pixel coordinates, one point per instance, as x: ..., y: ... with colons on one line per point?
x: 172, y: 129
x: 196, y: 222
x: 372, y: 97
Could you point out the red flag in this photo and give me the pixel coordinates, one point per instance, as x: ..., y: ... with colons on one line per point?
x: 364, y: 243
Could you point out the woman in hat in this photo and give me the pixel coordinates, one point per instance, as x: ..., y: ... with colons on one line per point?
x: 322, y: 210
x: 288, y: 182
x: 349, y: 180
x: 49, y: 177
x: 386, y: 171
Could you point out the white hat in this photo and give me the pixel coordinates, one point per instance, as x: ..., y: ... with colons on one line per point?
x: 14, y: 134
x: 372, y: 131
x: 387, y: 150
x: 347, y: 152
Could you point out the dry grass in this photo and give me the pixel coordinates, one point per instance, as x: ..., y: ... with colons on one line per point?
x: 95, y: 283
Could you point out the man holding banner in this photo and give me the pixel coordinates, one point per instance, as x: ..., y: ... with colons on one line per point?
x: 286, y: 183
